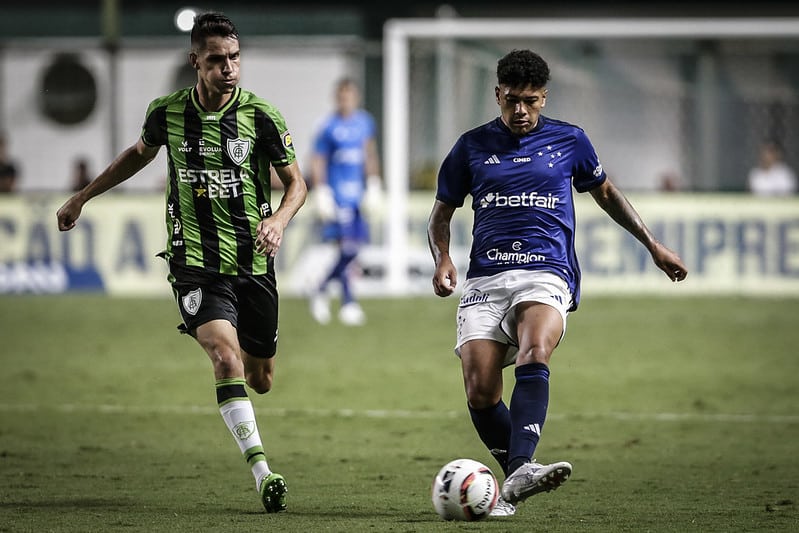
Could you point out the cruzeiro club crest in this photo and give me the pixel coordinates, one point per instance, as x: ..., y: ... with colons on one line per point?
x: 238, y: 150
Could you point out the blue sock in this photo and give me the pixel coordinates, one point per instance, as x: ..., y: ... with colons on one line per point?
x: 528, y: 411
x: 493, y: 427
x: 346, y: 290
x: 339, y: 273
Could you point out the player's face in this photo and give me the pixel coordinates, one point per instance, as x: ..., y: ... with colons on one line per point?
x: 218, y: 64
x: 347, y: 99
x: 520, y: 107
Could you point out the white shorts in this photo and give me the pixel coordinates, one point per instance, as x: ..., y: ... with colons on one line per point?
x: 486, y: 308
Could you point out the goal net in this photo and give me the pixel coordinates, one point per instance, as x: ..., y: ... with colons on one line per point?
x: 669, y: 103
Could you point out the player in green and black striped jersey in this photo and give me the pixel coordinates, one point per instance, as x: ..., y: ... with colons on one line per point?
x: 219, y: 176
x: 223, y: 232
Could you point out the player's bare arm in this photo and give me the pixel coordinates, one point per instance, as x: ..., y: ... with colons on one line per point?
x: 615, y: 204
x: 372, y: 158
x: 318, y: 170
x: 128, y: 163
x: 269, y: 234
x: 445, y: 278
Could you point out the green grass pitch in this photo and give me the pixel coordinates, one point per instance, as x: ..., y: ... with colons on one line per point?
x: 677, y: 414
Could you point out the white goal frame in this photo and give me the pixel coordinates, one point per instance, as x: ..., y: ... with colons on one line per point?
x: 396, y: 122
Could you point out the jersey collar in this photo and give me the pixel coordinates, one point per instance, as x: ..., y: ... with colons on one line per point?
x: 195, y: 99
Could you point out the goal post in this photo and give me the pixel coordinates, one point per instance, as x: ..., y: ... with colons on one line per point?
x: 398, y: 102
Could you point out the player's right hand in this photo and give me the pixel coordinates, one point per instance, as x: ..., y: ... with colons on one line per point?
x: 68, y: 214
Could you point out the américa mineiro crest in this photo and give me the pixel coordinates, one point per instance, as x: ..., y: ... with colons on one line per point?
x: 238, y: 150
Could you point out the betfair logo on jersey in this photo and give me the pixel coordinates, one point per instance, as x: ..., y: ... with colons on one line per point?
x: 238, y: 150
x: 213, y: 183
x: 524, y: 199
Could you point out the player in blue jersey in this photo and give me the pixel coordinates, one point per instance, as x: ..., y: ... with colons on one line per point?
x: 345, y: 172
x: 523, y: 277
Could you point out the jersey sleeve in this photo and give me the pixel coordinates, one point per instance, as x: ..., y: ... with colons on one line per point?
x: 274, y: 139
x: 454, y: 176
x: 587, y: 173
x: 153, y: 131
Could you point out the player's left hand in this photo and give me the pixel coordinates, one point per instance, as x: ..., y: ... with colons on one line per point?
x: 269, y: 236
x: 669, y: 262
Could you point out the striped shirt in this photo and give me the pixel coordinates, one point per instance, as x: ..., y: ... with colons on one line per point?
x: 218, y: 165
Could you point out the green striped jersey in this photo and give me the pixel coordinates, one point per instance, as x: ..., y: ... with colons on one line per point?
x: 218, y: 186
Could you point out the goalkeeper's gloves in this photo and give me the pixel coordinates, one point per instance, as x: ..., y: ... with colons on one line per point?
x: 373, y: 199
x: 325, y: 202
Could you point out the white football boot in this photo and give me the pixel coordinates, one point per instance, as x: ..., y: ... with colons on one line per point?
x: 320, y: 308
x: 351, y: 314
x: 532, y: 478
x: 503, y: 508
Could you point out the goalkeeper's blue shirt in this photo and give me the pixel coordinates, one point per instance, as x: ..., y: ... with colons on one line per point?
x: 342, y: 142
x: 521, y: 188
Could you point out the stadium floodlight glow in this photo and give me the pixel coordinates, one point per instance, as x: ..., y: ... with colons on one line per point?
x: 184, y: 18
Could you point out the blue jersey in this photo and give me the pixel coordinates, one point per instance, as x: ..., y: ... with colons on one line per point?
x: 342, y: 142
x: 521, y: 188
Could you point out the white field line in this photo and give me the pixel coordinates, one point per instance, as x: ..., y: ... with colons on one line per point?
x: 391, y: 413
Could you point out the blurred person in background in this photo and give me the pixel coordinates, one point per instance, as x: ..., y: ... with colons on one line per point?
x: 523, y: 277
x: 669, y: 181
x: 345, y: 177
x: 9, y: 170
x: 80, y: 174
x: 772, y: 176
x: 223, y: 232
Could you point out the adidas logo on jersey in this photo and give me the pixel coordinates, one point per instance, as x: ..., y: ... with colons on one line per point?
x: 493, y: 160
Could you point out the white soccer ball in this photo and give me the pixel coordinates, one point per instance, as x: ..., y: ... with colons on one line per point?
x: 464, y: 489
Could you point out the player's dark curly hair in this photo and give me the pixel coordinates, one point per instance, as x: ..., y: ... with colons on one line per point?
x: 211, y: 24
x: 520, y: 68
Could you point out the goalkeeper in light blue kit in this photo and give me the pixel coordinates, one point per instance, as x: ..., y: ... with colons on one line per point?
x: 345, y: 171
x: 523, y: 277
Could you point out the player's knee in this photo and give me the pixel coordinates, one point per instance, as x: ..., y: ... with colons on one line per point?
x: 260, y: 382
x: 536, y: 353
x: 481, y: 395
x: 224, y: 359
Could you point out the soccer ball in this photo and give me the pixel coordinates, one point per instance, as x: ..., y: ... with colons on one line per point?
x: 464, y: 489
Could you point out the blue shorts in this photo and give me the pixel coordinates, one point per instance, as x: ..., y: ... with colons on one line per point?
x: 349, y: 226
